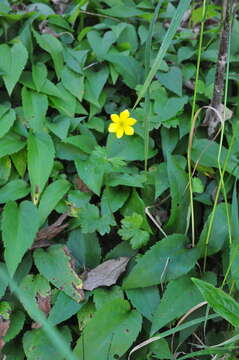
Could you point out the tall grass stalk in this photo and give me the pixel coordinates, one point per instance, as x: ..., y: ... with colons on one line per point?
x: 193, y: 122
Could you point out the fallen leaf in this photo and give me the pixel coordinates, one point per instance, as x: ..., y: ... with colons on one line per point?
x: 105, y: 274
x: 51, y: 231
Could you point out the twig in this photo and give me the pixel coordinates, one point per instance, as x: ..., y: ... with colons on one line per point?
x: 211, y: 120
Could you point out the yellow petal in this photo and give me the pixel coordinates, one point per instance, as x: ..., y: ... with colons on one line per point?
x: 124, y: 115
x: 113, y: 127
x: 131, y: 121
x: 120, y: 132
x: 115, y: 118
x: 129, y: 130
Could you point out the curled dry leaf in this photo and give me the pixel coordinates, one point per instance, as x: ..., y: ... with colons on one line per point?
x: 49, y: 232
x: 105, y: 274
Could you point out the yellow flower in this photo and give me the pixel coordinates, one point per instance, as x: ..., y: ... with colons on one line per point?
x: 122, y: 124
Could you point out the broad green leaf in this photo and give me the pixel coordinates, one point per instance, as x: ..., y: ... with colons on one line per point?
x: 11, y: 143
x: 3, y: 284
x: 221, y: 302
x: 145, y: 300
x: 17, y: 320
x: 128, y: 148
x: 12, y: 62
x: 51, y: 196
x: 172, y: 80
x: 219, y: 232
x: 39, y: 75
x: 184, y: 295
x: 129, y: 68
x: 5, y: 169
x: 73, y: 82
x: 55, y: 265
x: 37, y: 345
x: 100, y: 45
x: 175, y: 22
x: 167, y: 260
x: 53, y: 46
x: 66, y: 104
x: 116, y: 197
x: 178, y: 182
x: 94, y: 84
x: 19, y: 160
x: 63, y: 309
x: 35, y: 107
x: 122, y: 11
x: 119, y: 327
x: 6, y: 119
x: 104, y: 295
x: 86, y: 142
x: 40, y: 155
x: 14, y: 190
x: 91, y: 173
x: 34, y: 286
x: 133, y: 180
x: 19, y: 225
x: 60, y: 126
x: 85, y: 247
x: 205, y: 153
x: 168, y: 109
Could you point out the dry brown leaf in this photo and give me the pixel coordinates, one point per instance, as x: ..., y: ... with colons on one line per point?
x: 105, y: 274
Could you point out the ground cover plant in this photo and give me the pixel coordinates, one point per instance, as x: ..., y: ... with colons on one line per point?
x: 118, y: 179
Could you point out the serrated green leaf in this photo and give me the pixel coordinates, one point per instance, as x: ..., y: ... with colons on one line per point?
x: 19, y: 226
x: 131, y: 230
x: 221, y: 302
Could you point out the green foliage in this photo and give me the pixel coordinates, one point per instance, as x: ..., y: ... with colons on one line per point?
x: 73, y: 195
x: 131, y: 230
x: 119, y: 328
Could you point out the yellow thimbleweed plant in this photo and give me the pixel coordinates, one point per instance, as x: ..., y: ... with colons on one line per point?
x: 122, y: 124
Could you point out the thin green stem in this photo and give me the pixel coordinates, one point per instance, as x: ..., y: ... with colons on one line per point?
x: 192, y: 122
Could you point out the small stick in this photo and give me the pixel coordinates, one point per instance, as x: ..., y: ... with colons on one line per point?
x: 211, y: 120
